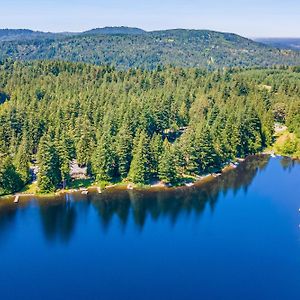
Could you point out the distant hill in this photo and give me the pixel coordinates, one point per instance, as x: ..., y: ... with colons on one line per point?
x: 132, y: 47
x: 282, y: 43
x: 24, y: 34
x: 115, y: 30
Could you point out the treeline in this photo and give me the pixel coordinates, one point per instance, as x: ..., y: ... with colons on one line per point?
x: 181, y: 48
x: 135, y: 125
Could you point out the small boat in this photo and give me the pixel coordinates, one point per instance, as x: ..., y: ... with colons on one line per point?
x: 273, y: 155
x: 189, y: 184
x: 17, y: 198
x: 216, y: 175
x: 129, y: 187
x: 99, y: 190
x: 85, y: 192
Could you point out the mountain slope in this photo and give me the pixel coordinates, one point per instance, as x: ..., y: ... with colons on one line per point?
x: 186, y: 48
x: 115, y: 30
x: 25, y: 34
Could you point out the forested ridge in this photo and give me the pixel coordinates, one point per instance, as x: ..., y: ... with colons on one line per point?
x: 131, y: 47
x: 136, y: 125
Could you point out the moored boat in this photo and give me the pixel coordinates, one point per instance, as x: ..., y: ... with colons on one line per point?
x: 17, y: 198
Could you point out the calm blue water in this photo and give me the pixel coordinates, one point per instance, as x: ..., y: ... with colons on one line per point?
x: 236, y: 237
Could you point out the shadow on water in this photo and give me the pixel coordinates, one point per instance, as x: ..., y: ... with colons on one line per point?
x: 7, y: 221
x: 58, y: 221
x: 288, y: 164
x: 59, y: 215
x: 173, y: 203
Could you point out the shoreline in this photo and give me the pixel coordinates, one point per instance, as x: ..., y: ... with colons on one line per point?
x: 158, y: 186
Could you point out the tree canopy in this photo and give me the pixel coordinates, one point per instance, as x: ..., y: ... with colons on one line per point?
x: 136, y: 124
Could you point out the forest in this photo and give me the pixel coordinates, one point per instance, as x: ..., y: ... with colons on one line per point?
x: 134, y: 48
x: 136, y: 125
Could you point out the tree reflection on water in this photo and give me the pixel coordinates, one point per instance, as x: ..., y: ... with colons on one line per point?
x: 60, y: 215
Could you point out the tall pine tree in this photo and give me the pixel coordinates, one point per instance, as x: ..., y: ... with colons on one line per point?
x: 167, y: 167
x: 140, y: 168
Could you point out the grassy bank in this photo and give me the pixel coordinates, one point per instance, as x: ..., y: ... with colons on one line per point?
x: 286, y: 144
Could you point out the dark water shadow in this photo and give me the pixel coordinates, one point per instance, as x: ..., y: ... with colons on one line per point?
x: 174, y: 203
x: 59, y: 215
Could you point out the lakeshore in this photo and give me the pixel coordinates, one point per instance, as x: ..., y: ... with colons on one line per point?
x: 84, y: 187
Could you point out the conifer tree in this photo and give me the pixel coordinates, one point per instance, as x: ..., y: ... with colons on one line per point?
x: 167, y: 168
x: 191, y: 153
x: 124, y: 149
x: 64, y: 152
x: 49, y: 175
x: 82, y: 151
x: 140, y: 168
x: 206, y: 152
x: 156, y: 150
x: 22, y: 160
x: 103, y: 161
x: 10, y: 180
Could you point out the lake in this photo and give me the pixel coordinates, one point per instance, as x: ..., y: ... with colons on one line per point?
x: 234, y: 237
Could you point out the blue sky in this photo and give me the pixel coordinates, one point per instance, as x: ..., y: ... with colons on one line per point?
x: 251, y: 18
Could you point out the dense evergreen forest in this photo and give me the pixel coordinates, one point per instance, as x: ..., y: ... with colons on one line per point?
x: 132, y: 47
x: 136, y: 125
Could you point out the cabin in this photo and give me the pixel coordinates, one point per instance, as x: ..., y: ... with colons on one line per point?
x: 77, y: 172
x: 172, y: 134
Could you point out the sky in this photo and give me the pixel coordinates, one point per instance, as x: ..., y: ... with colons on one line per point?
x: 250, y: 18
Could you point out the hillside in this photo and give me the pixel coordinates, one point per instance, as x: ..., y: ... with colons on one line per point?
x: 115, y: 30
x: 26, y: 34
x: 125, y: 47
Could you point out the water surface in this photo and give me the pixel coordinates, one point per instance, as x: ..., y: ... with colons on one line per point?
x: 236, y: 237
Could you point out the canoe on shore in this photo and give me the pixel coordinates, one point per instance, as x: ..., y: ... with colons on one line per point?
x: 17, y: 198
x: 84, y: 192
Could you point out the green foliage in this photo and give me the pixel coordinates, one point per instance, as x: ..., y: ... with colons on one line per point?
x: 104, y: 162
x: 10, y: 180
x: 22, y: 160
x: 206, y: 153
x: 49, y: 175
x: 124, y: 149
x: 289, y: 147
x: 184, y: 48
x: 64, y: 151
x: 114, y: 122
x: 156, y: 150
x: 167, y: 168
x: 140, y: 168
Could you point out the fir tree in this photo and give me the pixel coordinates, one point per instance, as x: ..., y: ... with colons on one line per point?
x: 22, y: 160
x: 124, y: 149
x: 167, y: 168
x: 103, y: 161
x: 156, y: 149
x: 206, y: 152
x: 10, y: 180
x: 64, y: 152
x: 140, y: 168
x: 49, y: 175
